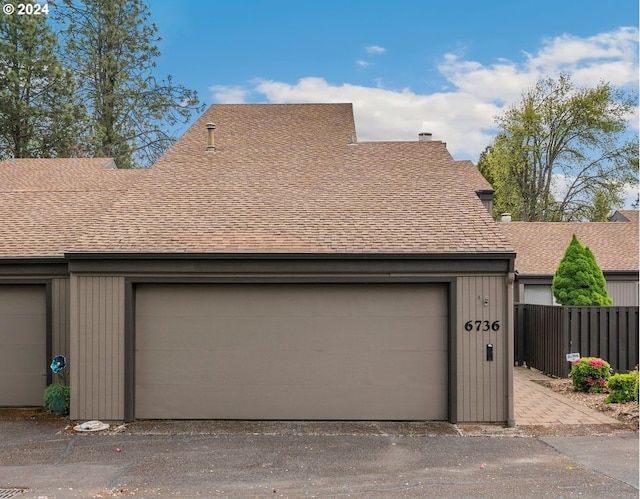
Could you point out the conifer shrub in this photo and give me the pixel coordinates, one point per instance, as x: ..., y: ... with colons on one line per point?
x: 578, y: 280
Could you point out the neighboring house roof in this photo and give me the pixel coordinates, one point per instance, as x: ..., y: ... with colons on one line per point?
x: 625, y: 216
x: 289, y: 178
x: 45, y: 204
x: 541, y: 245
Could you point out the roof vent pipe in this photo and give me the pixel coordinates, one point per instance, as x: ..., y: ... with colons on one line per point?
x: 211, y: 145
x: 505, y: 217
x: 424, y: 137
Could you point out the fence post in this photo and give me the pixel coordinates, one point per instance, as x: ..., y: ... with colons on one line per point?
x: 566, y: 342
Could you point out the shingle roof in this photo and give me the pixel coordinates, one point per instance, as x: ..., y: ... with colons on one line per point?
x: 286, y: 178
x: 45, y: 204
x: 541, y: 245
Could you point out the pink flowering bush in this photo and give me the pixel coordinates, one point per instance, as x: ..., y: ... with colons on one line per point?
x: 590, y: 374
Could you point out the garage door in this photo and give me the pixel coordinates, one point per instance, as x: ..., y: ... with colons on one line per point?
x: 23, y: 345
x: 301, y: 352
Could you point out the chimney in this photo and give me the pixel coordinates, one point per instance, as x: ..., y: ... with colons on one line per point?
x: 424, y: 137
x: 211, y: 144
x: 505, y: 217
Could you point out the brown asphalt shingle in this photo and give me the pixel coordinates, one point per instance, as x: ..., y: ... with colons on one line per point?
x: 285, y: 178
x: 541, y: 245
x: 45, y: 204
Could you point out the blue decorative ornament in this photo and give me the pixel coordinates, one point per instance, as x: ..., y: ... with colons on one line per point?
x: 58, y: 364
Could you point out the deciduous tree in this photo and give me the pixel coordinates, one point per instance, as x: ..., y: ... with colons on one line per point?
x: 559, y: 148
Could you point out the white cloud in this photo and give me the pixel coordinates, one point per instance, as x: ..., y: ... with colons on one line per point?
x: 457, y: 118
x: 375, y: 49
x: 228, y: 95
x: 463, y: 115
x: 363, y: 64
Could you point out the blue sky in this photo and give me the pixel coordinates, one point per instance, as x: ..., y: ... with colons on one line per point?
x: 407, y: 66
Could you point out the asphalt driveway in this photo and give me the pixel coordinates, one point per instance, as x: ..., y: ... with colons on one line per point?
x: 40, y: 459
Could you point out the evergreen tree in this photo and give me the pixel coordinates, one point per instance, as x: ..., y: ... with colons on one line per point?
x: 111, y: 46
x: 38, y: 114
x: 578, y: 280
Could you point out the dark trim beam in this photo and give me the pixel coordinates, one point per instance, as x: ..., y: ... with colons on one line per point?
x: 50, y: 267
x: 294, y: 263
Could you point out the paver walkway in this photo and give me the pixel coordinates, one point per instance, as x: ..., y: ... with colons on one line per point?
x: 535, y: 404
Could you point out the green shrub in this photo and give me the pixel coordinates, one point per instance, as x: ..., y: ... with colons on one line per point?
x: 57, y: 398
x: 623, y: 387
x: 578, y: 279
x: 590, y: 374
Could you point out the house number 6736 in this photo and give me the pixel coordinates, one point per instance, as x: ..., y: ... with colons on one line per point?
x: 482, y: 325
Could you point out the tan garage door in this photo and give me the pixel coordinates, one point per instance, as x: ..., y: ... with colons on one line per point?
x: 301, y: 352
x: 23, y: 345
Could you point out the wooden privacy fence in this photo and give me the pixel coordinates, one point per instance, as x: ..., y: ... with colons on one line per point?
x: 544, y: 334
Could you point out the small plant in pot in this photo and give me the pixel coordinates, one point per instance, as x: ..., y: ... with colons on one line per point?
x: 57, y: 396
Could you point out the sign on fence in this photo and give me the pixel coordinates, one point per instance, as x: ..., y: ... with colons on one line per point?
x: 572, y: 357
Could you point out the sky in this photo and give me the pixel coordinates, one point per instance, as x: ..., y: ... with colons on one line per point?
x: 448, y: 68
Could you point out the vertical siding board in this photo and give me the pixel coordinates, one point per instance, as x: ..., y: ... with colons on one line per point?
x: 576, y: 331
x: 468, y: 366
x: 68, y: 314
x: 632, y: 334
x: 102, y: 368
x: 109, y: 331
x: 56, y: 343
x: 60, y: 317
x: 477, y: 314
x: 566, y: 341
x: 463, y: 348
x: 490, y: 339
x: 623, y: 341
x: 95, y: 331
x: 73, y: 351
x: 84, y: 350
x: 500, y: 345
x: 121, y: 350
x: 613, y: 335
x: 591, y: 320
x: 482, y: 386
x: 97, y: 339
x: 602, y: 332
x: 623, y: 293
x: 497, y: 346
x: 110, y: 353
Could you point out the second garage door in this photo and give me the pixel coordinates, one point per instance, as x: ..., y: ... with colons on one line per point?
x: 23, y: 344
x: 296, y: 352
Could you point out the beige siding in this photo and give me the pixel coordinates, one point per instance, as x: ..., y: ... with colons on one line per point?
x: 538, y: 294
x: 482, y: 386
x: 60, y: 317
x: 623, y: 293
x: 97, y: 347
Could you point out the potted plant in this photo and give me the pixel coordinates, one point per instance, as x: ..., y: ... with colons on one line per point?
x: 57, y: 396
